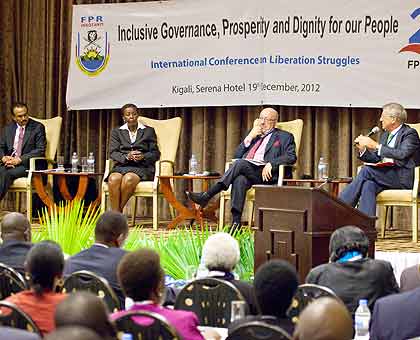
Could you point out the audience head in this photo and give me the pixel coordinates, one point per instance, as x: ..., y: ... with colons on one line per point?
x: 141, y: 276
x: 15, y: 226
x: 72, y: 333
x: 87, y: 310
x: 324, y: 319
x: 220, y: 252
x: 269, y: 118
x: 111, y: 229
x: 20, y: 113
x: 275, y: 284
x: 393, y: 115
x: 44, y: 265
x: 348, y: 238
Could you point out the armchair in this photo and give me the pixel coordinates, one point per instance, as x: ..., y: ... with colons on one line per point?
x: 24, y: 184
x: 295, y: 127
x: 402, y: 198
x: 167, y: 132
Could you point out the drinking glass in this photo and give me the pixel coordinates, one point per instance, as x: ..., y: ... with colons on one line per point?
x: 60, y: 163
x: 237, y: 310
x: 84, y: 164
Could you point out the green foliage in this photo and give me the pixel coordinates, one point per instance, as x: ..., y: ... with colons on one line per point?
x: 69, y: 226
x: 73, y: 228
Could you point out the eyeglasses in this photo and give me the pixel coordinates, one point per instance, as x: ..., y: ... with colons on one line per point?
x: 268, y: 120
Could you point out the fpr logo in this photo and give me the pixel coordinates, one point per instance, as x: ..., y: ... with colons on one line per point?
x: 414, y: 40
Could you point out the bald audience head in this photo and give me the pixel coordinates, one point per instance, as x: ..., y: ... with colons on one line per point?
x: 87, y: 310
x: 72, y: 333
x: 15, y: 226
x: 324, y: 319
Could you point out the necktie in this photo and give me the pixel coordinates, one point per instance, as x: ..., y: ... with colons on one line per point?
x: 254, y: 149
x: 390, y: 136
x: 20, y: 142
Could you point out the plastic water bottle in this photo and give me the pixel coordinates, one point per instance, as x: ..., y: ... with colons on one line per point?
x: 91, y: 162
x: 193, y: 165
x: 74, y: 162
x: 361, y: 320
x: 322, y: 168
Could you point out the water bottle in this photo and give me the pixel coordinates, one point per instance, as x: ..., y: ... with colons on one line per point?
x: 361, y: 320
x: 91, y: 162
x: 74, y: 162
x: 193, y: 165
x: 322, y: 169
x: 127, y: 336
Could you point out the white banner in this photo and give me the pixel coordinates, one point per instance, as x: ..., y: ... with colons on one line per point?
x: 245, y: 52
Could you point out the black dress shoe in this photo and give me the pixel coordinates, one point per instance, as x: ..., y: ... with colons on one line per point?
x: 201, y: 198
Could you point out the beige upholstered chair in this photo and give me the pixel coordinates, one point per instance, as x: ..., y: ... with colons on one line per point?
x: 401, y: 198
x: 167, y: 132
x: 23, y: 184
x: 295, y: 127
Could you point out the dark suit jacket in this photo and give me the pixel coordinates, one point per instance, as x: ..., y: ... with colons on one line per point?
x: 351, y: 281
x: 146, y: 142
x: 396, y: 317
x: 13, y: 254
x: 406, y: 154
x: 7, y: 333
x: 280, y: 150
x: 284, y: 323
x: 410, y: 278
x: 34, y: 141
x: 100, y: 260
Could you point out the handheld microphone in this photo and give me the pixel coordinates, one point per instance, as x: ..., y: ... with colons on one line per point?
x: 371, y: 132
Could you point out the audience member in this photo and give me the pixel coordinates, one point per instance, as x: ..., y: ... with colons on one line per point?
x: 44, y: 267
x: 142, y: 279
x: 103, y: 257
x: 395, y: 317
x: 410, y: 278
x: 86, y: 310
x: 73, y: 333
x: 22, y: 139
x: 16, y: 235
x: 7, y: 333
x: 259, y: 156
x: 351, y: 274
x: 134, y: 150
x: 220, y: 255
x: 324, y: 319
x: 275, y: 285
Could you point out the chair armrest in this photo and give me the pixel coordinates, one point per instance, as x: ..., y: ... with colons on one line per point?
x: 281, y: 175
x: 108, y: 165
x: 158, y: 171
x: 415, y: 192
x: 359, y: 168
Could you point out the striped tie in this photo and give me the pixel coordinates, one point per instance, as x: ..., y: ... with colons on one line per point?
x: 20, y: 142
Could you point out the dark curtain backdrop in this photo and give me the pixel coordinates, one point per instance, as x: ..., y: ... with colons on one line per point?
x: 34, y: 56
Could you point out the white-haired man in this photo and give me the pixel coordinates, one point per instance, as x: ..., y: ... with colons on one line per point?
x: 220, y: 256
x: 399, y: 145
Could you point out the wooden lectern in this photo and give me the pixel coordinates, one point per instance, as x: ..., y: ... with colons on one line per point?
x: 295, y: 224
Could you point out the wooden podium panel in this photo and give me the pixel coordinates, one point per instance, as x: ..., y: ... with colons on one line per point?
x: 295, y: 224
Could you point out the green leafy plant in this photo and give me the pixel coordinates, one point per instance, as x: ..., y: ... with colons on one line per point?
x: 69, y: 225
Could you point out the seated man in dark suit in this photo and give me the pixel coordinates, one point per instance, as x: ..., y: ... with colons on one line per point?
x: 16, y: 235
x: 261, y: 152
x: 7, y: 333
x: 324, y: 319
x: 399, y: 146
x: 275, y: 285
x: 20, y: 140
x: 105, y: 254
x: 396, y: 317
x: 350, y: 273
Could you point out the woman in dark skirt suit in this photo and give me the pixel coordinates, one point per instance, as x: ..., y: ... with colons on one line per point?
x: 134, y: 150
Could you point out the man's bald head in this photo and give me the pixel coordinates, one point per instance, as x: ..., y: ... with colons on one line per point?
x: 15, y: 226
x: 324, y: 319
x: 86, y: 310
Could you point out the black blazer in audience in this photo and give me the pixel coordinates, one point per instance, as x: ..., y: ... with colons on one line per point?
x: 13, y: 254
x: 7, y: 333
